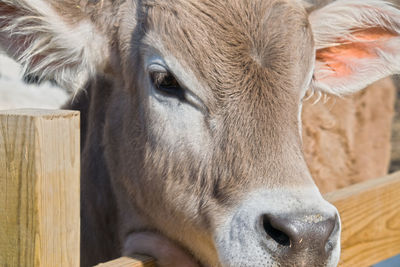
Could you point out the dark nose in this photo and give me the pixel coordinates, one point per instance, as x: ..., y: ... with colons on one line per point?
x: 293, y: 234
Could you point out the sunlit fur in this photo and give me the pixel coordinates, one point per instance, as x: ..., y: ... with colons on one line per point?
x: 69, y: 50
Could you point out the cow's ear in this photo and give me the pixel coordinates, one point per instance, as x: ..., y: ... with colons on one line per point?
x: 357, y: 42
x: 52, y: 39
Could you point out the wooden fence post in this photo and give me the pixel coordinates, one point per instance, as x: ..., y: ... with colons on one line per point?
x: 39, y: 188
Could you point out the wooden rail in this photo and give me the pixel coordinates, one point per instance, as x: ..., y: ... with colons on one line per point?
x: 39, y: 188
x: 370, y: 214
x: 39, y: 199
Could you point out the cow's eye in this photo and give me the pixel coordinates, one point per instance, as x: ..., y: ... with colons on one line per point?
x: 166, y: 83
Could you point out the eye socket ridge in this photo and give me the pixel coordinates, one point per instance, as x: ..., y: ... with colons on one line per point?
x: 165, y: 82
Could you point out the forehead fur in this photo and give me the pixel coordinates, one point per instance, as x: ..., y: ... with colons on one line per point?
x: 254, y: 57
x: 235, y: 44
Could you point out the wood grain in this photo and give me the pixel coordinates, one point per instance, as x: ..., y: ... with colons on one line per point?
x: 370, y: 214
x: 135, y: 261
x: 39, y: 188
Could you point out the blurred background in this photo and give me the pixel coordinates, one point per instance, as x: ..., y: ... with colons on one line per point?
x: 17, y: 93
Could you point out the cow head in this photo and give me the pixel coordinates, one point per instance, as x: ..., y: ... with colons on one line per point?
x: 202, y: 134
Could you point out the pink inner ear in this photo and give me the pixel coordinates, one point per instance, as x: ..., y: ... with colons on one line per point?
x: 339, y: 59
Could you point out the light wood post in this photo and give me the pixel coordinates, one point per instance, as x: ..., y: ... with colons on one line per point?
x: 39, y: 188
x: 135, y: 261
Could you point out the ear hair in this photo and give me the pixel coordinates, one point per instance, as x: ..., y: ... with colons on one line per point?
x: 357, y: 42
x: 354, y: 14
x: 48, y: 46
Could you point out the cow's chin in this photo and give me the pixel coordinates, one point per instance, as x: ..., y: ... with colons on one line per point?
x: 161, y: 248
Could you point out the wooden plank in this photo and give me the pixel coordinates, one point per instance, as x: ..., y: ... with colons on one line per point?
x: 135, y: 261
x: 39, y: 188
x: 370, y: 214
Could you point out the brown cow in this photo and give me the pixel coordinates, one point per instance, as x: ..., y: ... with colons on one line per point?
x: 191, y: 118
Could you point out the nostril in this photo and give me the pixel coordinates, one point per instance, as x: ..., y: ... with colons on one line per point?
x: 277, y: 235
x: 333, y: 225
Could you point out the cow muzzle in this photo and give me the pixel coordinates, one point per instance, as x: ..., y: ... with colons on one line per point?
x: 280, y: 228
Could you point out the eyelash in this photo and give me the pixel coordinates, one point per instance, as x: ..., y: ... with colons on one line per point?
x: 166, y: 83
